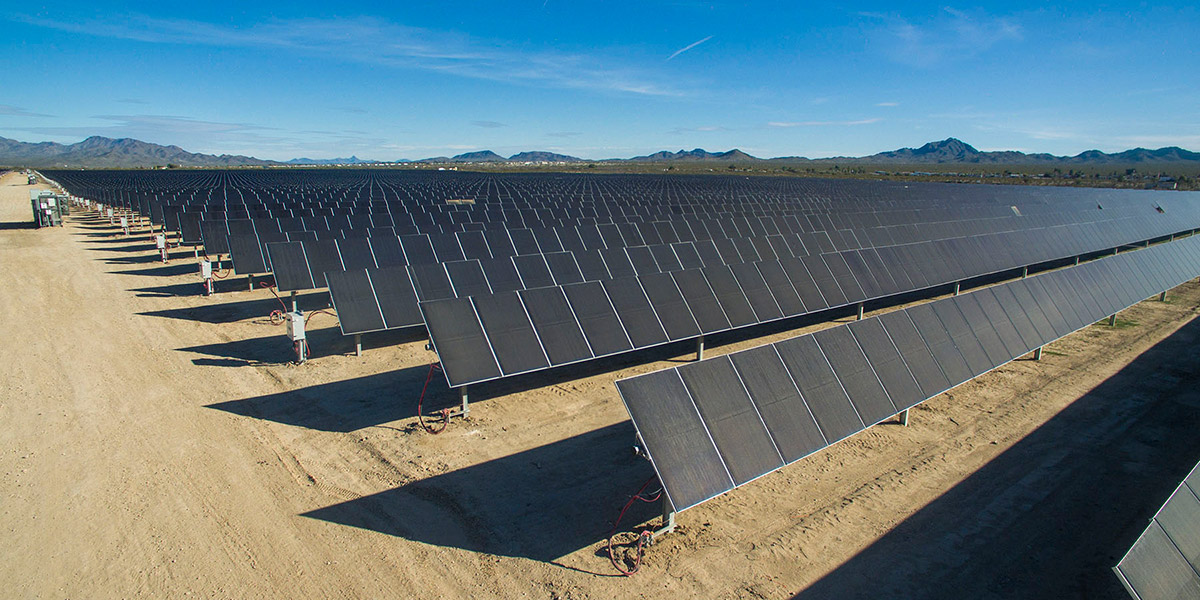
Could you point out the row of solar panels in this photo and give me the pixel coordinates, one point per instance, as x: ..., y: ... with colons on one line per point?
x: 841, y: 196
x: 485, y: 243
x: 249, y: 255
x: 373, y: 299
x: 713, y: 425
x: 1164, y: 562
x: 477, y: 341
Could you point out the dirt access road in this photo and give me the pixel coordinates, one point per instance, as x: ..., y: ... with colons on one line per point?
x: 157, y: 443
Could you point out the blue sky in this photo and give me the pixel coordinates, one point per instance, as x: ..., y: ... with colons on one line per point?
x: 601, y: 79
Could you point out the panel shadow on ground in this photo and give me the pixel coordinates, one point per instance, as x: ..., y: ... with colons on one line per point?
x: 348, y: 405
x: 541, y: 504
x: 1049, y: 516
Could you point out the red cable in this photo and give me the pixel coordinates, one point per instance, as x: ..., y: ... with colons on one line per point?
x: 640, y: 544
x: 421, y: 400
x: 276, y: 315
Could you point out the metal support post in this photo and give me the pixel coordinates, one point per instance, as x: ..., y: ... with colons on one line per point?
x: 860, y: 312
x: 1112, y: 320
x: 250, y: 280
x: 957, y: 287
x: 668, y: 520
x: 700, y: 348
x: 1024, y: 272
x: 466, y: 407
x: 904, y: 418
x: 1077, y: 261
x: 358, y: 344
x: 295, y: 301
x: 1037, y: 354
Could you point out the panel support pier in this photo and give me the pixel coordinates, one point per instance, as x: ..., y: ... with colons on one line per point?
x: 1112, y: 320
x: 668, y: 520
x: 1163, y: 296
x: 700, y: 348
x: 860, y: 312
x: 466, y: 406
x: 250, y: 281
x: 358, y: 344
x: 1024, y: 272
x: 957, y: 287
x: 1037, y: 354
x: 295, y: 301
x: 1077, y: 261
x: 904, y: 417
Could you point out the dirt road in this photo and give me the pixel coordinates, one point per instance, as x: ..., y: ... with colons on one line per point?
x: 157, y: 443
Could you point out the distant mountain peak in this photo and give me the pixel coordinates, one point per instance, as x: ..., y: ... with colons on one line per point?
x: 541, y: 156
x: 480, y: 156
x: 697, y: 154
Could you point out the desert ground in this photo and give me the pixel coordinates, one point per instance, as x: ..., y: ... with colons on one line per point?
x: 158, y: 443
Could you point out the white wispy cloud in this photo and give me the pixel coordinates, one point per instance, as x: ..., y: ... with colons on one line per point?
x: 16, y: 111
x: 383, y: 43
x: 822, y: 123
x: 887, y: 104
x: 946, y: 36
x: 488, y: 124
x: 689, y: 47
x: 565, y: 134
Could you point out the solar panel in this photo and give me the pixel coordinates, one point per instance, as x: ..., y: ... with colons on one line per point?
x: 700, y: 299
x: 458, y: 339
x: 887, y: 363
x: 819, y: 387
x: 467, y: 278
x: 634, y: 310
x: 729, y: 294
x: 396, y: 295
x: 357, y: 309
x: 290, y: 266
x: 533, y: 270
x: 1163, y: 562
x: 247, y: 255
x: 560, y: 333
x: 598, y: 319
x: 755, y: 288
x: 563, y: 268
x: 387, y: 251
x: 431, y: 281
x: 861, y: 385
x: 356, y: 253
x: 778, y: 400
x: 502, y: 275
x: 674, y: 423
x: 510, y: 332
x: 781, y: 288
x: 731, y: 418
x: 322, y: 256
x: 668, y: 304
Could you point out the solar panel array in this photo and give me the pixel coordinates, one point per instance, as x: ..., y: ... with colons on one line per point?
x: 716, y: 424
x: 655, y: 308
x: 1164, y: 562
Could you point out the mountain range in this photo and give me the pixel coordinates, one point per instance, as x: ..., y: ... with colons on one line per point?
x: 102, y: 152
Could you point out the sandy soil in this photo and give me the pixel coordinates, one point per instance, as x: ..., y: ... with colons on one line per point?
x: 154, y: 442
